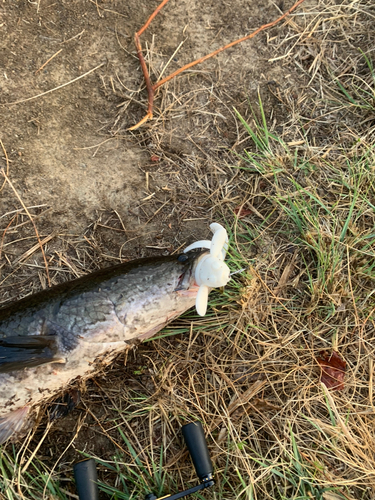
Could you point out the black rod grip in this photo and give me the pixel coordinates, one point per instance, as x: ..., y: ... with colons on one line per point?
x: 86, y: 478
x: 197, y: 446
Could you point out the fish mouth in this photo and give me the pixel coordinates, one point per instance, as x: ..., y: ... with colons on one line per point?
x: 186, y: 280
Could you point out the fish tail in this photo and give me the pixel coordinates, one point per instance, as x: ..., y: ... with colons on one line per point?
x: 12, y: 422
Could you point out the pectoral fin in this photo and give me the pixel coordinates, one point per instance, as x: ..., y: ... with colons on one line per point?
x: 12, y: 422
x: 19, y: 352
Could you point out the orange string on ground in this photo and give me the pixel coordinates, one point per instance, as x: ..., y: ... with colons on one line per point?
x: 151, y: 88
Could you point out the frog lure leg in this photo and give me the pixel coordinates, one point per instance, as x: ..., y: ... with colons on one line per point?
x: 211, y: 271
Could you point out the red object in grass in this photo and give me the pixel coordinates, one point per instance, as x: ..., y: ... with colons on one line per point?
x: 333, y: 370
x: 155, y: 158
x: 242, y: 212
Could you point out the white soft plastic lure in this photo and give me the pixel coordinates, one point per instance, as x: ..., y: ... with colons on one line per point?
x: 211, y: 271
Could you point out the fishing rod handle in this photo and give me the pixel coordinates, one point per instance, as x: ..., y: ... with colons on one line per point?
x: 196, y: 443
x: 86, y: 478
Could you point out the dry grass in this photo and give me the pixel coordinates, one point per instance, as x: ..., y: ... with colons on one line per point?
x: 304, y: 196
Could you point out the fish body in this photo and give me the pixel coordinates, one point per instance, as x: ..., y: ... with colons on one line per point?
x: 50, y: 338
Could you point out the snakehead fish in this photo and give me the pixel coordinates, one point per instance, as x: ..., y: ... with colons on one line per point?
x: 52, y: 337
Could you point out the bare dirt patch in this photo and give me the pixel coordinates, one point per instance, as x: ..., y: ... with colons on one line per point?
x: 70, y: 150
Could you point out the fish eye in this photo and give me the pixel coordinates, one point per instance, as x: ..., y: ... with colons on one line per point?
x: 183, y: 257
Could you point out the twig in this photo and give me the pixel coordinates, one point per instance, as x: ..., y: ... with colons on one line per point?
x: 152, y: 88
x: 7, y: 160
x: 153, y: 15
x: 4, y: 233
x: 80, y: 423
x: 32, y: 456
x: 33, y: 249
x: 106, y: 10
x: 32, y: 222
x: 73, y: 37
x: 56, y: 88
x: 228, y: 46
x: 95, y: 146
x: 49, y: 60
x: 171, y: 58
x: 158, y: 210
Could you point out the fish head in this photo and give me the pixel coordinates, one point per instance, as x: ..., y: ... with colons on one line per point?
x: 188, y: 264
